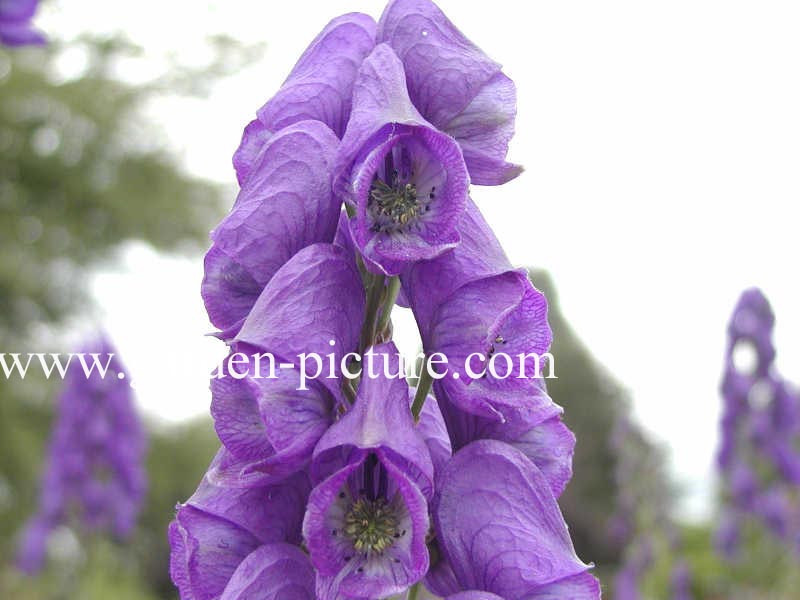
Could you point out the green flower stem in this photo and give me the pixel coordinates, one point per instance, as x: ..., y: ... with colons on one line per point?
x: 375, y: 289
x: 413, y: 592
x: 392, y: 290
x: 423, y: 387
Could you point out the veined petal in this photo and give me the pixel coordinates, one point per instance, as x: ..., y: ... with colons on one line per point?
x: 319, y: 88
x: 454, y: 85
x: 314, y: 299
x: 285, y: 205
x: 474, y: 595
x: 268, y: 424
x: 536, y: 430
x: 502, y: 315
x: 427, y: 284
x: 272, y: 572
x: 498, y: 524
x: 219, y: 526
x: 320, y: 85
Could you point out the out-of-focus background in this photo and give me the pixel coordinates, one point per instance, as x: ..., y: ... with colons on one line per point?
x: 661, y: 147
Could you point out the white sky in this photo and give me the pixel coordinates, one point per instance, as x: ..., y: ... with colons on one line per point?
x: 661, y: 142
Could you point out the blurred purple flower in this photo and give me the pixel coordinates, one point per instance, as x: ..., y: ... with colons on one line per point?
x: 94, y: 468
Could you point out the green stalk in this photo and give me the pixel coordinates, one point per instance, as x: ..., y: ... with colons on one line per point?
x: 374, y: 294
x: 392, y: 290
x: 423, y: 387
x: 413, y: 592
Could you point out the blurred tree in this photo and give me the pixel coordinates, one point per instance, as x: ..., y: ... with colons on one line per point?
x: 593, y: 401
x: 82, y: 172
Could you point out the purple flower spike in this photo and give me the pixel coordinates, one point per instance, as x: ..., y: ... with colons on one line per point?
x: 15, y: 23
x: 455, y: 86
x: 320, y: 86
x: 94, y: 478
x: 285, y: 206
x: 406, y: 180
x: 500, y: 529
x: 367, y: 518
x: 218, y: 527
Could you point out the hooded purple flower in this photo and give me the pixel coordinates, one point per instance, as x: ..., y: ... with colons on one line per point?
x: 500, y: 530
x: 270, y: 425
x: 239, y: 543
x: 405, y: 180
x: 455, y: 86
x: 469, y: 305
x: 285, y: 206
x: 367, y: 517
x: 451, y: 82
x: 94, y: 470
x: 15, y: 23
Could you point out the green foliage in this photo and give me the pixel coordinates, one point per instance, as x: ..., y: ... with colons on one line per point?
x: 80, y: 173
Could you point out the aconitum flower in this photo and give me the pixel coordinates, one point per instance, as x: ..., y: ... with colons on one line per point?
x: 285, y: 206
x: 367, y: 517
x: 15, y: 23
x: 94, y: 478
x: 500, y: 531
x: 405, y: 181
x: 314, y: 304
x: 537, y: 431
x: 236, y: 543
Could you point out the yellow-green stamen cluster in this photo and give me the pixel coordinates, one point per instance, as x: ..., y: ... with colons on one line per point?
x: 393, y: 206
x: 371, y: 525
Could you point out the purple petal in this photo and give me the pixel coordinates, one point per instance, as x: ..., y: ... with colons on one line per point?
x: 479, y: 255
x: 269, y: 425
x: 272, y: 572
x: 537, y: 431
x: 205, y: 553
x: 271, y: 513
x: 219, y: 526
x: 583, y: 586
x: 254, y: 137
x: 431, y: 427
x: 314, y: 299
x: 474, y: 595
x: 454, y: 85
x: 284, y: 206
x: 320, y: 85
x: 503, y: 315
x: 499, y: 525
